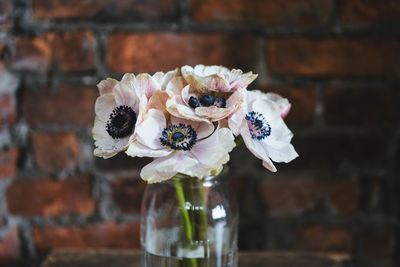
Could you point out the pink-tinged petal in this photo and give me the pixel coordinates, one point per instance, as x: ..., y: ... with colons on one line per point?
x: 214, y: 150
x: 202, y: 129
x: 125, y: 95
x: 218, y: 84
x: 104, y: 106
x: 174, y: 87
x: 164, y: 79
x: 242, y: 81
x: 180, y: 162
x: 237, y: 121
x: 267, y: 163
x: 106, y: 86
x: 149, y: 131
x: 256, y: 148
x: 159, y: 101
x: 150, y: 174
x: 283, y: 103
x: 186, y: 95
x: 213, y: 113
x: 178, y: 109
x: 145, y: 84
x: 216, y: 78
x: 137, y: 149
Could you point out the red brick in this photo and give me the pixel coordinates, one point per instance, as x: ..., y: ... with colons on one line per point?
x: 8, y: 162
x: 324, y: 239
x: 363, y: 107
x: 67, y: 105
x: 33, y: 54
x: 344, y: 196
x: 285, y: 196
x: 267, y: 12
x: 104, y: 10
x: 128, y: 193
x: 361, y: 11
x: 71, y: 51
x: 151, y: 52
x: 341, y: 57
x: 50, y: 198
x: 303, y: 102
x: 8, y: 112
x: 376, y: 246
x: 105, y: 235
x: 10, y: 247
x: 6, y: 15
x: 74, y: 51
x: 55, y: 151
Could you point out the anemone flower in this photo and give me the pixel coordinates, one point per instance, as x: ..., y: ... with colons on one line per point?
x: 260, y: 123
x: 119, y: 109
x: 213, y: 93
x: 180, y: 146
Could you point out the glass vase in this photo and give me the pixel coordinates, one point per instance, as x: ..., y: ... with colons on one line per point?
x: 189, y: 222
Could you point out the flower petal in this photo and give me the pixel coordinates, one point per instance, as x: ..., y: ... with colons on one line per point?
x: 106, y: 86
x: 104, y: 106
x: 137, y: 149
x: 150, y: 130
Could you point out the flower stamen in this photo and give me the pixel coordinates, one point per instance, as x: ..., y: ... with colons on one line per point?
x: 179, y: 137
x: 259, y: 128
x: 121, y: 122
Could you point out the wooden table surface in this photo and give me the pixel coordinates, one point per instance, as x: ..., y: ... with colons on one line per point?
x: 121, y: 258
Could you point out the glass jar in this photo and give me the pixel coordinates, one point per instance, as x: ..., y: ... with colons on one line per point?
x: 186, y: 221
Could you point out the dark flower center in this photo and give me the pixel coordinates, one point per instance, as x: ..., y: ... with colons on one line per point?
x: 194, y: 102
x: 179, y: 137
x: 121, y: 122
x: 206, y: 101
x: 220, y: 102
x: 259, y: 128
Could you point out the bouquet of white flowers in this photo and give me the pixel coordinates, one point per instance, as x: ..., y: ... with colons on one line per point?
x: 189, y: 119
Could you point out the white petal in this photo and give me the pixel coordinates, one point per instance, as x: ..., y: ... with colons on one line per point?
x: 279, y: 151
x: 151, y: 175
x: 137, y: 149
x: 106, y: 86
x: 150, y: 130
x: 104, y: 106
x: 146, y: 85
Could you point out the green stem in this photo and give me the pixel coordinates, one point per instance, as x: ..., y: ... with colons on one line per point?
x: 203, y: 212
x: 187, y: 225
x: 239, y: 141
x: 182, y: 205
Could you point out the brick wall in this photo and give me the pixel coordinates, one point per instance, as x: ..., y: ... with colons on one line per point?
x: 337, y: 61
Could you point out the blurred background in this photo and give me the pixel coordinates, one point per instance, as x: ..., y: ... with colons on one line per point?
x: 337, y: 61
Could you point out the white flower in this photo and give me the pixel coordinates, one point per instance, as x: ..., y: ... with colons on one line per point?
x: 180, y: 146
x: 120, y: 108
x: 213, y: 93
x: 216, y: 78
x: 262, y: 128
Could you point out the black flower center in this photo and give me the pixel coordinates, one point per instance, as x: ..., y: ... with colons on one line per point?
x: 259, y: 128
x: 121, y: 122
x: 206, y: 101
x: 179, y: 137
